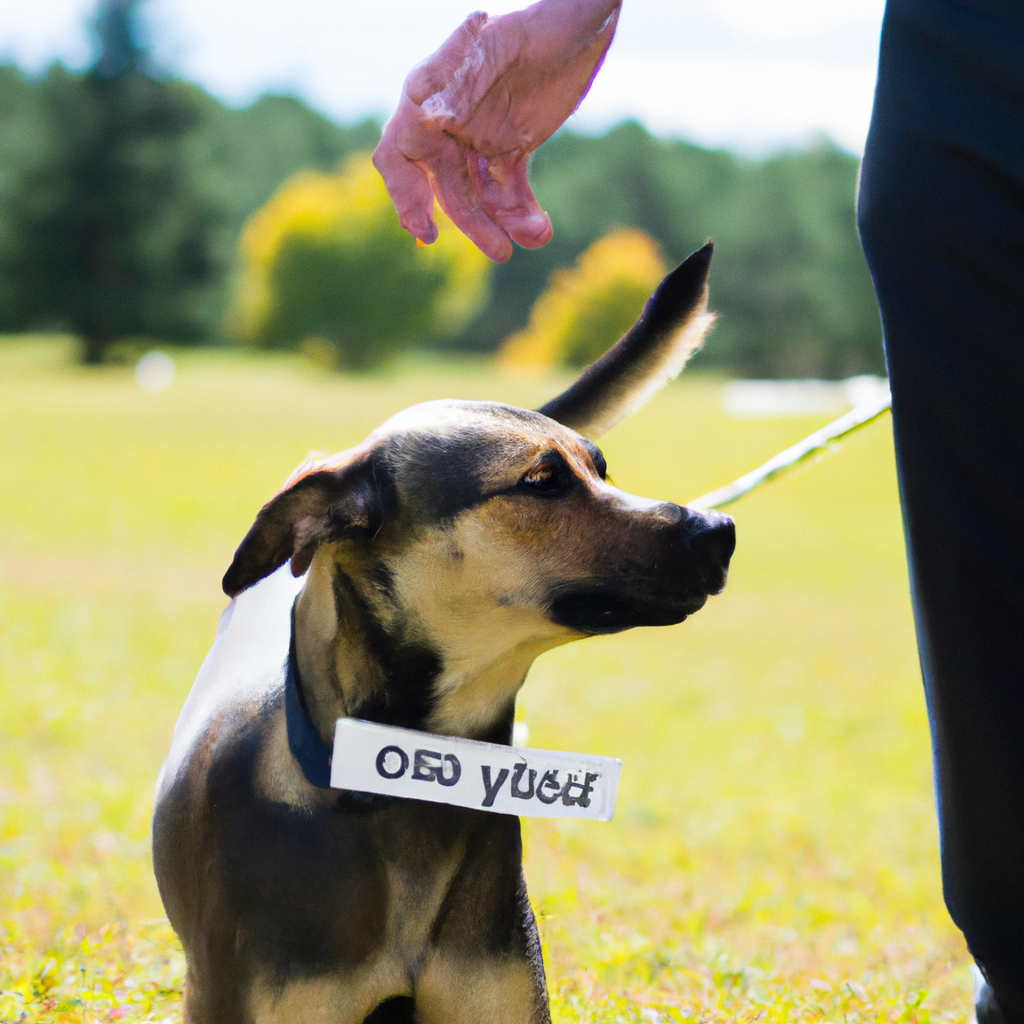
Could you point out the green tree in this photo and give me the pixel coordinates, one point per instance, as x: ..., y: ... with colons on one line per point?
x: 110, y: 236
x: 587, y: 309
x: 789, y: 282
x: 328, y: 268
x: 22, y: 139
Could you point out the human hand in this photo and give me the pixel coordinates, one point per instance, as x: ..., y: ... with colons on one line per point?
x: 471, y: 115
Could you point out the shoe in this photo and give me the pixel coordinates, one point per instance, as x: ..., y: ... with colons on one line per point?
x: 986, y: 1010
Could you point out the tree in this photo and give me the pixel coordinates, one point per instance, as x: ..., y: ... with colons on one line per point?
x: 587, y: 309
x: 21, y: 140
x: 789, y: 281
x: 111, y: 236
x: 326, y: 266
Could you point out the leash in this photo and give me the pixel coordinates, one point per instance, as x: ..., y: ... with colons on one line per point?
x: 813, y: 445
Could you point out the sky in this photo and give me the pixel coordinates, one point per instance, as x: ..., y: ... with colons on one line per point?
x: 756, y: 76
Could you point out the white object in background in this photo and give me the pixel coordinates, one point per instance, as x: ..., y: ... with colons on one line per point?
x: 866, y: 390
x: 810, y: 447
x: 747, y: 399
x: 383, y: 759
x: 155, y: 371
x: 246, y: 663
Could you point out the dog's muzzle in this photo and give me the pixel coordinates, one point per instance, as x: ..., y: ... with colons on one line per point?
x: 668, y: 574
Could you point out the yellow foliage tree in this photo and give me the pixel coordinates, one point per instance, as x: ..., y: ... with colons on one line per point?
x: 328, y: 268
x: 588, y: 308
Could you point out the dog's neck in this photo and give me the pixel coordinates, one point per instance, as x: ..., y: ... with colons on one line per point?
x: 350, y: 663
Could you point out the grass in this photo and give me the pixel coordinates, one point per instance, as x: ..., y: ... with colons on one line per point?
x: 774, y: 853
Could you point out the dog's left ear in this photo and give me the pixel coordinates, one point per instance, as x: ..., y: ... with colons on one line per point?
x: 651, y: 353
x: 326, y: 504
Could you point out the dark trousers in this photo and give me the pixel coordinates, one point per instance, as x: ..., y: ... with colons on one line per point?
x: 941, y: 213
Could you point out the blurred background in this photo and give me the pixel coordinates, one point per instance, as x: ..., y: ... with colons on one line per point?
x: 174, y: 171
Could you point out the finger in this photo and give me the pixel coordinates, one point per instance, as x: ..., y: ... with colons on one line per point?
x: 408, y: 186
x: 457, y: 195
x: 437, y: 70
x: 505, y: 195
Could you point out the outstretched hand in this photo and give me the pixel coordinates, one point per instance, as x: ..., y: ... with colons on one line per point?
x: 471, y: 115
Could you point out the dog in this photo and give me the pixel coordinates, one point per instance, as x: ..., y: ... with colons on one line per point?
x: 432, y: 564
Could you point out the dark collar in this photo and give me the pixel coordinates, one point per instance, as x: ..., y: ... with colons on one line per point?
x: 309, y: 750
x: 313, y: 755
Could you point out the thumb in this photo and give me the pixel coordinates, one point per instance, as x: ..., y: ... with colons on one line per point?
x: 503, y: 187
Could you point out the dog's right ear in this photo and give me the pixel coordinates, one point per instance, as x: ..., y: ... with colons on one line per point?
x: 670, y: 329
x: 321, y: 505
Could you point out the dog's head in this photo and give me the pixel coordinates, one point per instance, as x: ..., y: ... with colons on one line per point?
x: 462, y: 538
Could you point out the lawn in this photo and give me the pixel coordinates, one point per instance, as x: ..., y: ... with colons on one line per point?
x: 774, y: 852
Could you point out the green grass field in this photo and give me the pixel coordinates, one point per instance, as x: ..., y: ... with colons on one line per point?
x: 774, y: 852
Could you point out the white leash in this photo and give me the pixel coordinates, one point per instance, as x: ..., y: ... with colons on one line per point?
x: 812, y: 445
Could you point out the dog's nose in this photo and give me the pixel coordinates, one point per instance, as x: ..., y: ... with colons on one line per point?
x: 711, y: 537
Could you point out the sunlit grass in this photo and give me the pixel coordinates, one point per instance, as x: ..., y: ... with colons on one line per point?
x: 774, y: 852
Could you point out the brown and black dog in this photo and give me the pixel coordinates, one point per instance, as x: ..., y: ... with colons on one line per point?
x: 440, y: 557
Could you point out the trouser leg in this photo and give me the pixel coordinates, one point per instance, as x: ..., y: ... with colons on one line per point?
x: 941, y: 213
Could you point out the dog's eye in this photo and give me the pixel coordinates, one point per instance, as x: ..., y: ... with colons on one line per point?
x: 541, y: 477
x: 547, y: 479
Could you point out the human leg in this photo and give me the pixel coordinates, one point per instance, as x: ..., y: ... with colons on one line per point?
x: 941, y: 212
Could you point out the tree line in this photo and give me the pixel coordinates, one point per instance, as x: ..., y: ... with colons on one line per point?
x: 124, y: 194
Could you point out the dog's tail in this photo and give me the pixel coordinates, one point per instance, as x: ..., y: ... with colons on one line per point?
x: 651, y: 353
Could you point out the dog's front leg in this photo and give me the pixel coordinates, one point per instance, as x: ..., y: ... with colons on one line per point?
x: 454, y: 989
x: 484, y: 965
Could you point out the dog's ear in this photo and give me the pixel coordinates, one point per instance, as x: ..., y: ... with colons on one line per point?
x: 653, y: 351
x: 316, y: 505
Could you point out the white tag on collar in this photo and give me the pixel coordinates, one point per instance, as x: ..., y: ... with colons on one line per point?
x: 383, y: 759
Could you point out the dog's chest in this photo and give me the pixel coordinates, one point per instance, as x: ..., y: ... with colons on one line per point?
x: 410, y: 908
x: 413, y: 851
x: 416, y: 891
